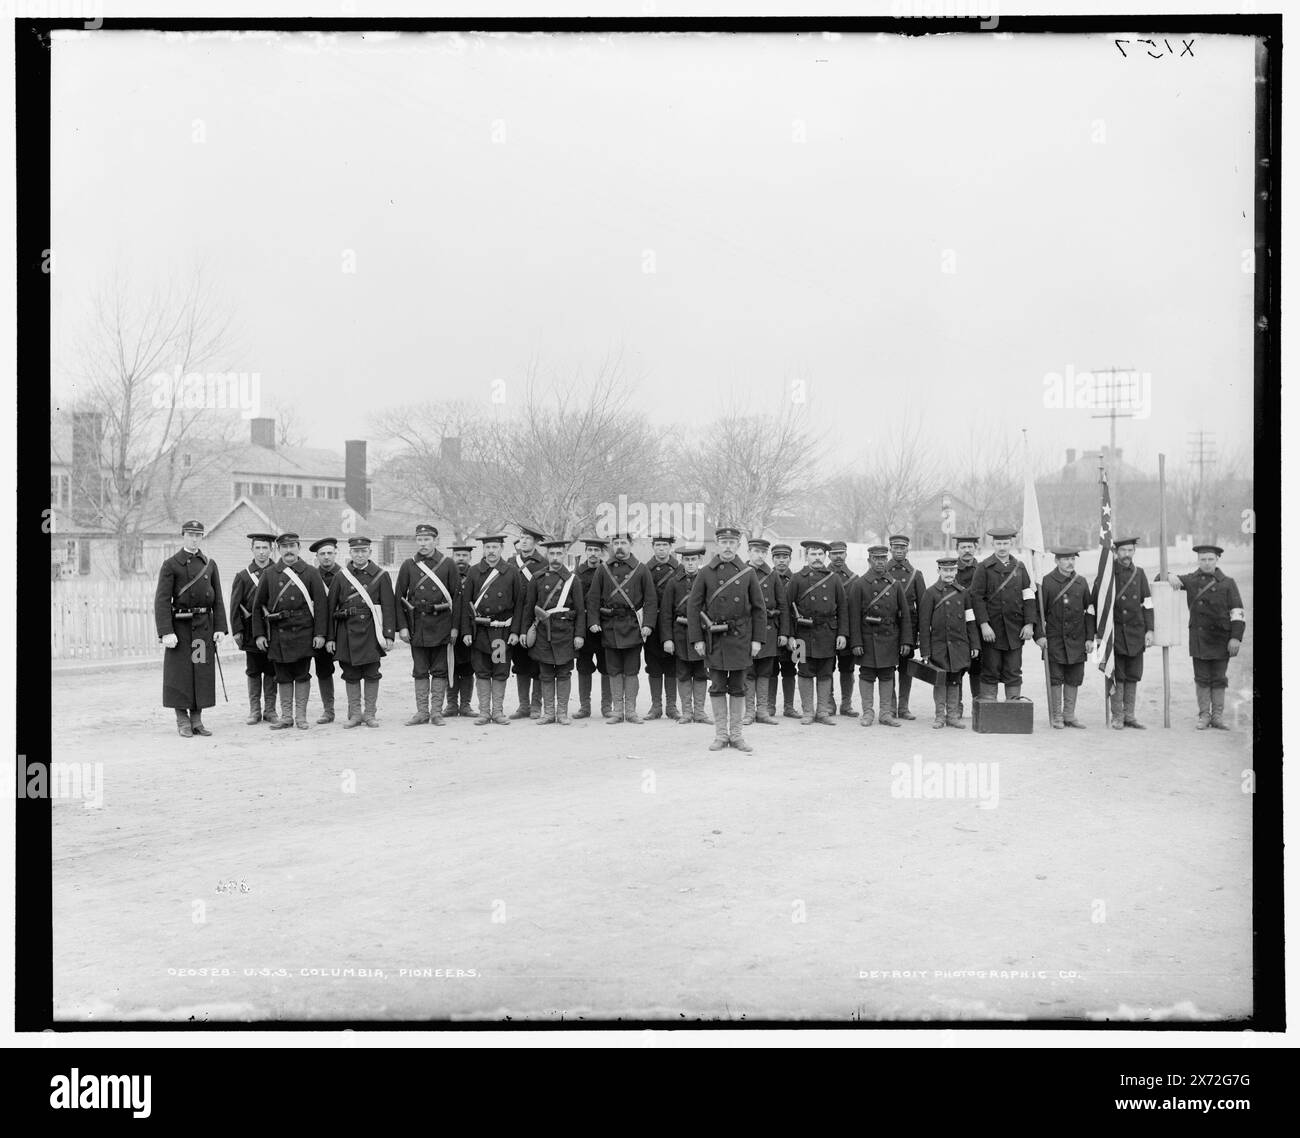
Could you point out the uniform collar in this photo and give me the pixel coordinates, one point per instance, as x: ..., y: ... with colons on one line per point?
x: 254, y: 567
x: 631, y: 561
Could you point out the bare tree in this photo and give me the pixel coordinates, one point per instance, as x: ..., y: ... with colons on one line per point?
x: 1204, y: 499
x: 441, y: 459
x: 554, y: 455
x: 147, y: 407
x: 750, y: 467
x: 895, y: 476
x: 571, y: 446
x: 844, y: 506
x: 988, y: 475
x: 289, y: 428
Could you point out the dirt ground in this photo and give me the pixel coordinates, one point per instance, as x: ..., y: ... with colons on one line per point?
x: 597, y: 872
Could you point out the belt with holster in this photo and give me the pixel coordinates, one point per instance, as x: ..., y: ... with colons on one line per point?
x: 181, y: 614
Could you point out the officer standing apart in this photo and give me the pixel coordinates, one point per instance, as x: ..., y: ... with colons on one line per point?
x: 327, y: 554
x: 949, y: 640
x: 659, y: 668
x: 428, y: 612
x: 727, y: 618
x: 1216, y: 623
x: 591, y: 657
x: 557, y: 608
x: 967, y: 562
x: 758, y: 680
x: 839, y: 551
x: 460, y: 691
x: 913, y: 585
x: 1003, y: 600
x: 190, y: 616
x: 1133, y: 615
x: 492, y: 607
x: 674, y: 634
x: 624, y: 609
x: 259, y: 672
x: 527, y: 562
x: 880, y: 634
x: 289, y: 623
x: 1068, y: 639
x: 362, y: 620
x: 784, y: 662
x: 820, y: 614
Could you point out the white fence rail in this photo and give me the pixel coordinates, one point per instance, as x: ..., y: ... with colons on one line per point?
x: 102, y: 620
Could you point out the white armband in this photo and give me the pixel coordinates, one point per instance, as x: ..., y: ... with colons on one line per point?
x: 1148, y: 602
x: 970, y: 614
x: 1090, y: 611
x: 1026, y: 594
x: 1237, y: 614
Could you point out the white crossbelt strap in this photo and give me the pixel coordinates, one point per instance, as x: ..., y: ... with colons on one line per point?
x: 423, y: 568
x: 306, y: 596
x: 523, y: 567
x: 564, y: 596
x: 483, y: 590
x: 252, y: 577
x: 364, y: 594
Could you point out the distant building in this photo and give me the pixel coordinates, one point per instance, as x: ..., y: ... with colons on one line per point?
x: 1069, y: 501
x: 391, y: 532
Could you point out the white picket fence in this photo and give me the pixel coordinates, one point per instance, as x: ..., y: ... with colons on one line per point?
x: 102, y: 620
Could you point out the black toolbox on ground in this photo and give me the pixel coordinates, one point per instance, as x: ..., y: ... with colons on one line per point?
x: 1012, y: 717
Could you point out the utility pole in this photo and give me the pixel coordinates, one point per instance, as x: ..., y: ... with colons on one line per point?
x: 1114, y: 402
x: 1200, y: 452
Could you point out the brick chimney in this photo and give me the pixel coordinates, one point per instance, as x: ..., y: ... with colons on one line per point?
x: 261, y: 433
x: 354, y: 475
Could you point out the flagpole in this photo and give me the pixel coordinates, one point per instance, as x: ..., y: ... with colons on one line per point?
x: 1164, y: 576
x: 1042, y: 623
x: 1108, y: 679
x: 1038, y: 592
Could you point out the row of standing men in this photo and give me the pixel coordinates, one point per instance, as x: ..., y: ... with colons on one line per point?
x: 737, y: 626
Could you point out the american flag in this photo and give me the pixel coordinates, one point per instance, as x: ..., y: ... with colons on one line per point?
x: 1105, y: 589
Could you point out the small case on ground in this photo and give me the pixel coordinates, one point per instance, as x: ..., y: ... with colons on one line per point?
x: 1013, y: 717
x: 926, y: 673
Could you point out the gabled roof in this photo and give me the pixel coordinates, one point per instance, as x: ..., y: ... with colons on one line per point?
x: 318, y: 517
x: 252, y: 461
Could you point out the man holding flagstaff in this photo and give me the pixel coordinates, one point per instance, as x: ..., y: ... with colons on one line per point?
x: 1133, y: 617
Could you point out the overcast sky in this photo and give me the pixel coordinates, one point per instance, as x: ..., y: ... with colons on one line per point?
x: 931, y: 223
